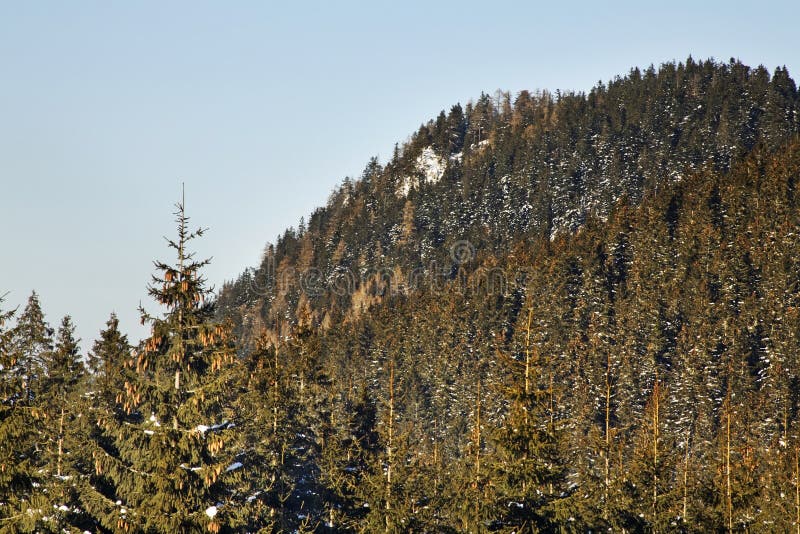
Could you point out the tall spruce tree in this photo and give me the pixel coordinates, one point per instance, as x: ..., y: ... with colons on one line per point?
x: 61, y: 406
x: 20, y: 509
x: 33, y: 340
x: 267, y: 409
x: 25, y: 351
x: 171, y: 467
x: 528, y: 467
x: 108, y: 360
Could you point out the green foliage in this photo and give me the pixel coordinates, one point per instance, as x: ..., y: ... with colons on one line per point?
x: 166, y: 463
x: 552, y: 313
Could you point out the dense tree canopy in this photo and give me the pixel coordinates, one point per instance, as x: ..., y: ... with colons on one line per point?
x: 552, y: 312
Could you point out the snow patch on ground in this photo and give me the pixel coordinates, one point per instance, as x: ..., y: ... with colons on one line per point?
x: 431, y: 167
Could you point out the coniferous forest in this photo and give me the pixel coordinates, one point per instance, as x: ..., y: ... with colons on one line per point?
x: 547, y: 312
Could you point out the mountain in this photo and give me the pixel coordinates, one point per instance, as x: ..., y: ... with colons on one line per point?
x: 566, y: 310
x: 497, y: 173
x: 563, y: 313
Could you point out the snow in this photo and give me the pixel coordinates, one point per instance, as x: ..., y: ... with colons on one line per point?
x: 221, y: 426
x: 479, y: 144
x: 406, y: 184
x: 233, y: 467
x: 431, y: 167
x: 184, y: 466
x: 211, y: 511
x: 149, y: 432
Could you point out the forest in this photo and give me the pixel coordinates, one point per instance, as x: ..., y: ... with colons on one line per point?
x: 547, y: 312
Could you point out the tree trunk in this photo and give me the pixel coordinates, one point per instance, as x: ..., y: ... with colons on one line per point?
x: 656, y: 393
x: 390, y: 444
x: 60, y: 441
x: 728, y: 497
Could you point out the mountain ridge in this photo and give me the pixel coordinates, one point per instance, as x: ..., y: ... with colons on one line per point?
x: 566, y: 314
x: 497, y: 171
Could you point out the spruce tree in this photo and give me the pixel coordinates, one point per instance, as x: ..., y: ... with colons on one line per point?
x: 528, y: 467
x: 108, y: 360
x: 25, y: 349
x: 171, y: 466
x: 20, y: 507
x: 61, y: 408
x: 33, y: 340
x: 266, y: 408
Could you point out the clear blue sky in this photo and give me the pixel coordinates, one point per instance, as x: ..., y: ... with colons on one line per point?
x: 261, y: 108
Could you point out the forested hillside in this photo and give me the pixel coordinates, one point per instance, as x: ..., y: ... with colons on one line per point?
x: 547, y: 312
x: 503, y: 170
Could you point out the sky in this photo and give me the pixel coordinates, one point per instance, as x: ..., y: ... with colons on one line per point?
x: 261, y: 109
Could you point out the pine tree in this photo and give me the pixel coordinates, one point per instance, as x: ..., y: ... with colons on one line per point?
x: 267, y: 428
x: 25, y: 351
x: 172, y: 465
x: 109, y: 362
x: 109, y: 354
x: 20, y: 507
x: 61, y: 408
x: 528, y: 468
x: 33, y: 340
x: 352, y: 445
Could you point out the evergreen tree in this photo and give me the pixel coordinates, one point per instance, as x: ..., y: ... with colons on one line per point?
x: 27, y: 348
x: 172, y: 467
x: 21, y: 508
x: 266, y: 410
x: 33, y: 340
x: 528, y: 467
x: 109, y: 362
x: 61, y: 408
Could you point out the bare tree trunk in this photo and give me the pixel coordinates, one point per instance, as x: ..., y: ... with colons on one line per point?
x: 686, y: 479
x: 275, y: 396
x: 390, y: 444
x: 607, y: 479
x: 656, y: 394
x: 728, y: 464
x: 177, y: 398
x: 60, y: 441
x: 797, y: 487
x: 477, y: 450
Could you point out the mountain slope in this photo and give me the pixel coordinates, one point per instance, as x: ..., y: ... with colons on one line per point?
x: 499, y: 171
x: 573, y: 309
x: 571, y: 314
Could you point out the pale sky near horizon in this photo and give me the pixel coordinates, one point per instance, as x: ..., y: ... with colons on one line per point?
x: 262, y: 108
